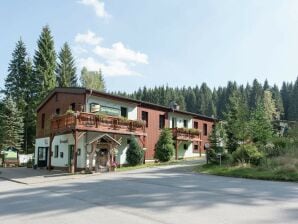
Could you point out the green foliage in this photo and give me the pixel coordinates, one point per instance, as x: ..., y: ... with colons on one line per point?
x: 260, y: 126
x: 18, y: 85
x: 12, y: 125
x: 134, y: 153
x: 247, y: 154
x: 164, y: 149
x: 92, y: 80
x: 237, y: 126
x: 293, y: 103
x: 45, y: 62
x: 216, y: 138
x: 66, y: 70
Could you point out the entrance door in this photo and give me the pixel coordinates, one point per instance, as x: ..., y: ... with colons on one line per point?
x: 42, y: 158
x: 103, y: 157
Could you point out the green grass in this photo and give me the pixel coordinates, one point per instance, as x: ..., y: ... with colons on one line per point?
x: 249, y: 172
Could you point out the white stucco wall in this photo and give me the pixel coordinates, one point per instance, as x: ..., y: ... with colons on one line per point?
x: 180, y: 119
x: 121, y: 152
x: 132, y: 112
x: 186, y: 153
x: 63, y: 147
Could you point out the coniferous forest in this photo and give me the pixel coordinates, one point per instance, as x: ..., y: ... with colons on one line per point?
x: 215, y: 102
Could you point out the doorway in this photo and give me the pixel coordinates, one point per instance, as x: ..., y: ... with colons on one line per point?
x: 42, y: 157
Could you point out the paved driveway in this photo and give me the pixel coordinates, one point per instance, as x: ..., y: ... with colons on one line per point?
x: 157, y: 195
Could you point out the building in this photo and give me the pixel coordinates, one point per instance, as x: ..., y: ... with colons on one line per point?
x: 90, y: 129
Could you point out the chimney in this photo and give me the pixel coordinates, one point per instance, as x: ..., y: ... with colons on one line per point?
x: 174, y: 106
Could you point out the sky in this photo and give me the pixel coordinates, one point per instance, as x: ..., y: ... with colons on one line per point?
x: 162, y: 42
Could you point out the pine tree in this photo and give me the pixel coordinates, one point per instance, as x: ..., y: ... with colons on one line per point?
x: 66, y: 70
x: 45, y: 62
x: 293, y: 107
x: 92, y: 80
x: 237, y: 127
x: 270, y: 106
x: 19, y: 86
x: 12, y: 125
x: 134, y: 153
x: 285, y: 93
x: 256, y: 95
x: 278, y: 101
x: 260, y: 126
x: 17, y: 75
x: 164, y: 149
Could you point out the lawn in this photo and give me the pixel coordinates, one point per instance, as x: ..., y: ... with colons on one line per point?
x: 248, y: 172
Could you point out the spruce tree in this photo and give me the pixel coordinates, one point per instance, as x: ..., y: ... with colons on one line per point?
x: 92, y: 80
x: 237, y: 127
x: 12, y: 125
x: 260, y: 126
x: 45, y: 62
x: 256, y: 95
x: 164, y: 149
x: 15, y: 82
x: 134, y: 153
x: 66, y: 70
x: 293, y: 107
x: 19, y: 86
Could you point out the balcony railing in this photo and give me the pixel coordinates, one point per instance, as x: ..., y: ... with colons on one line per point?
x: 96, y: 122
x: 187, y: 134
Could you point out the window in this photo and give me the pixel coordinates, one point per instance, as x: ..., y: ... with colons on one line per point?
x: 185, y: 123
x: 94, y: 107
x: 123, y: 112
x: 73, y: 106
x: 145, y: 117
x: 162, y: 119
x: 196, y: 125
x: 205, y: 129
x: 79, y: 151
x: 61, y: 154
x: 43, y: 118
x: 56, y: 152
x: 174, y: 122
x: 195, y: 147
x: 57, y: 111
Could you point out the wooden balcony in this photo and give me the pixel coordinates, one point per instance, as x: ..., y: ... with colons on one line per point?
x: 186, y: 134
x: 93, y: 122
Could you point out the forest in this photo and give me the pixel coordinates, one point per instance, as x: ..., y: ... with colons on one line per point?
x: 29, y: 80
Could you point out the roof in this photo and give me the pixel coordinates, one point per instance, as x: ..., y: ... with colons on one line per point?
x: 81, y: 90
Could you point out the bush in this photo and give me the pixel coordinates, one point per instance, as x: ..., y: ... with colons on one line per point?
x: 248, y: 154
x: 134, y: 153
x: 164, y: 149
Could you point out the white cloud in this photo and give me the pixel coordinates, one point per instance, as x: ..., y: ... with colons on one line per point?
x: 98, y: 6
x: 121, y: 53
x: 88, y: 38
x: 109, y: 68
x: 118, y: 60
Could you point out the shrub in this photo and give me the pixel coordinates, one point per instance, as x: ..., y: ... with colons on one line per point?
x: 248, y: 154
x: 134, y: 153
x: 164, y: 149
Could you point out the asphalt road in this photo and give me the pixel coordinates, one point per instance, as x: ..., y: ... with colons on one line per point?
x: 157, y: 195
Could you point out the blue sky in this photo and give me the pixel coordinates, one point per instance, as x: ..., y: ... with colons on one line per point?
x: 159, y: 42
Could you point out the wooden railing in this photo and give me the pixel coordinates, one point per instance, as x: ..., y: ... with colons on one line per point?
x: 94, y: 122
x: 186, y: 134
